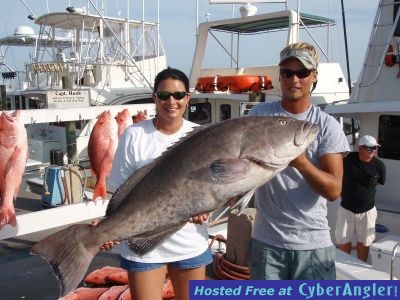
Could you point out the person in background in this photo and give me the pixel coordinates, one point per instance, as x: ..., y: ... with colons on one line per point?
x: 186, y: 253
x: 356, y: 216
x: 291, y: 238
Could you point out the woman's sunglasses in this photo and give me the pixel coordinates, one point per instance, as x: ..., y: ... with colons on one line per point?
x: 303, y: 73
x: 166, y: 95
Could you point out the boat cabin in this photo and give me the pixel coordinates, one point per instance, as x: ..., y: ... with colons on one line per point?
x: 374, y: 105
x: 227, y: 92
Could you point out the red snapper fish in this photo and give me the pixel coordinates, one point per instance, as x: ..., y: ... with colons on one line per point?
x: 85, y: 293
x: 124, y: 120
x: 13, y: 157
x: 103, y: 142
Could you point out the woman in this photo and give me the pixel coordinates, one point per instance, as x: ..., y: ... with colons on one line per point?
x: 185, y: 254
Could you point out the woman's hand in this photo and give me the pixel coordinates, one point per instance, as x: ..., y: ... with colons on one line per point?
x: 107, y: 245
x: 199, y: 219
x: 140, y: 116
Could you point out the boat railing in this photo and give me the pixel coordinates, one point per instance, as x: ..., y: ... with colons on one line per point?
x: 30, y: 222
x: 92, y: 70
x: 396, y: 246
x: 378, y: 23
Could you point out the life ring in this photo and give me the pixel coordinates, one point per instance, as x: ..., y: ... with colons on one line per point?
x: 234, y: 83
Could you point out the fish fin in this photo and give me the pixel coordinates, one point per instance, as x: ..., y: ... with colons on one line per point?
x: 68, y: 255
x: 183, y: 138
x: 229, y: 170
x: 100, y: 191
x: 243, y: 201
x: 144, y: 244
x: 120, y: 193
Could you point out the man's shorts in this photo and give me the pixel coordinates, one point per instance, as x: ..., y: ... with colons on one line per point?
x: 268, y: 262
x: 201, y: 260
x: 349, y: 224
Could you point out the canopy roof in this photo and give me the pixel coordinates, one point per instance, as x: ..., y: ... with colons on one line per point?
x: 66, y: 20
x: 278, y: 21
x: 32, y: 40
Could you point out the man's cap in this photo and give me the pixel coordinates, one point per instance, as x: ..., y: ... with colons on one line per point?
x: 302, y: 55
x: 368, y: 141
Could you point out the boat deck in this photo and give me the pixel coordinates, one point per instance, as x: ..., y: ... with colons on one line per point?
x: 28, y: 277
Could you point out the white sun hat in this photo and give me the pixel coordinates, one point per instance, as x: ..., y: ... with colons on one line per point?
x: 368, y: 141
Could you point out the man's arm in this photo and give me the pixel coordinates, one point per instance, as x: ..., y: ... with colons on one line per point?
x: 326, y: 181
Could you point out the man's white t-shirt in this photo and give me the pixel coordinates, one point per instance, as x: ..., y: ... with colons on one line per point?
x: 138, y: 146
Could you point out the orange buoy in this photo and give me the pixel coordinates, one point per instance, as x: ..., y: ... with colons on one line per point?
x: 234, y: 83
x: 390, y: 58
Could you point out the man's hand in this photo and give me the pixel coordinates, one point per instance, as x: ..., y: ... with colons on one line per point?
x: 299, y: 162
x: 199, y: 219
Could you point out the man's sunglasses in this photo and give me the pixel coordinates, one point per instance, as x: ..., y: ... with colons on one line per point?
x: 166, y: 95
x: 303, y: 73
x: 370, y: 149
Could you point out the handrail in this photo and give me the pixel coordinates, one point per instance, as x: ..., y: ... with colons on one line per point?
x: 392, y: 259
x: 374, y: 79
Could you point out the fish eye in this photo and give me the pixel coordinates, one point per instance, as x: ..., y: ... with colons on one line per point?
x: 282, y: 122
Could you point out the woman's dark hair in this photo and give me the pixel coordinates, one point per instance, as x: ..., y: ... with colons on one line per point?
x: 171, y: 73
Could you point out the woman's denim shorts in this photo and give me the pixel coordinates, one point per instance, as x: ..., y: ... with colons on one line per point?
x: 201, y: 260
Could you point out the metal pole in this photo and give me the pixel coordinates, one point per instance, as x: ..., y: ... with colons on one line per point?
x: 26, y: 5
x: 353, y: 129
x: 346, y: 48
x: 197, y: 19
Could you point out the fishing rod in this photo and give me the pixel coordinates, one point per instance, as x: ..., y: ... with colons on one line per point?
x: 346, y: 47
x: 353, y: 129
x: 32, y: 15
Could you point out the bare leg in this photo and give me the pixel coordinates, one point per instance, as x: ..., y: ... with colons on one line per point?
x: 345, y: 247
x: 147, y: 285
x: 362, y: 251
x: 180, y: 280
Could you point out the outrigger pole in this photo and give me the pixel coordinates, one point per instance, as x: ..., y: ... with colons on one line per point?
x: 346, y: 48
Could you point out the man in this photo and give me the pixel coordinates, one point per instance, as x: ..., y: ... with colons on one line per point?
x: 291, y: 238
x: 357, y: 213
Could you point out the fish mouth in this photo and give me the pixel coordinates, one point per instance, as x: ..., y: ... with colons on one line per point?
x: 8, y: 117
x: 306, y: 131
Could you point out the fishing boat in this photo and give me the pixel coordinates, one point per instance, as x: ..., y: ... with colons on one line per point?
x: 374, y: 109
x: 367, y: 109
x: 81, y: 59
x: 231, y: 90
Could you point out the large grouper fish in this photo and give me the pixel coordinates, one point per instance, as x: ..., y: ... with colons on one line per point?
x: 201, y: 173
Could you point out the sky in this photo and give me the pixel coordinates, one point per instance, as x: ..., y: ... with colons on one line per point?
x: 178, y: 26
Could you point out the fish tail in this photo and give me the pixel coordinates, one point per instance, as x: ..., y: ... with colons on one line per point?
x: 69, y: 253
x: 99, y: 190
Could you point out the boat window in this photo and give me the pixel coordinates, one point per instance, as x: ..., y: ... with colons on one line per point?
x: 33, y: 104
x: 224, y: 112
x: 17, y: 103
x: 200, y: 113
x: 8, y: 104
x: 389, y: 137
x: 23, y: 103
x: 245, y: 107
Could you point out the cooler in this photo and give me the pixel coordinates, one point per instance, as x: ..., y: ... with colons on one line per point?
x: 53, y: 194
x: 381, y: 254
